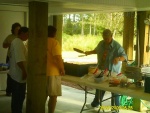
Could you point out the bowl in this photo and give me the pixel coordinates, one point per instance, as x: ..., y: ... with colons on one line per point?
x: 114, y: 81
x: 92, y: 69
x: 98, y: 80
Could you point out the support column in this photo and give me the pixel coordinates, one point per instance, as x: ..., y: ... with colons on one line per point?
x: 144, y: 55
x: 128, y: 34
x: 57, y: 22
x: 143, y: 36
x: 37, y: 47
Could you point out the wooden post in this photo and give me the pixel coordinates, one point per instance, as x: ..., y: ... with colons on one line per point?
x: 37, y: 48
x: 128, y: 37
x: 144, y: 55
x: 128, y: 34
x: 57, y: 22
x: 143, y: 36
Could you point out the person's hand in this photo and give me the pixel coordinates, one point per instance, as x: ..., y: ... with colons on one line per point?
x: 115, y: 61
x: 86, y: 53
x: 62, y: 72
x: 90, y: 52
x: 6, y: 45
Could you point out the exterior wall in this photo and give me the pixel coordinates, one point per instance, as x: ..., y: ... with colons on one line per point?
x: 8, y: 16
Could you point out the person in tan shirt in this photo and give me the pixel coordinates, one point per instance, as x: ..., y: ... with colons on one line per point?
x: 55, y: 69
x: 6, y: 44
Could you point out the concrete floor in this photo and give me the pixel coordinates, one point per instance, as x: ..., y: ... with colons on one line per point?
x: 70, y: 102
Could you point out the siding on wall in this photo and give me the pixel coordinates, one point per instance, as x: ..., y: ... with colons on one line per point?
x: 7, y: 18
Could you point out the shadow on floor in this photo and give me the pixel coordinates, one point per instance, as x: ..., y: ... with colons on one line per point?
x: 71, y: 101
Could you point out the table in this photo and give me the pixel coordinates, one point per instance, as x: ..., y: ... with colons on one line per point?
x: 4, y: 72
x: 3, y: 78
x: 86, y: 81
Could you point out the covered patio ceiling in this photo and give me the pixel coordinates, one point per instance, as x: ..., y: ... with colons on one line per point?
x: 86, y: 6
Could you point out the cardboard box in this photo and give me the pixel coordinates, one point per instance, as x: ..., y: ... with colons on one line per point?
x: 140, y: 105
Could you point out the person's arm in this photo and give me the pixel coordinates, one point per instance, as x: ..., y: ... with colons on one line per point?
x: 117, y: 59
x: 60, y: 64
x: 121, y: 57
x: 94, y: 51
x: 90, y: 52
x: 7, y: 41
x: 22, y: 67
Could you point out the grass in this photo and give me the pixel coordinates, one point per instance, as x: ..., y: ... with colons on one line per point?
x: 84, y: 43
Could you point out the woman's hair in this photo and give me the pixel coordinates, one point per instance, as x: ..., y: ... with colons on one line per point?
x: 51, y: 31
x: 14, y: 26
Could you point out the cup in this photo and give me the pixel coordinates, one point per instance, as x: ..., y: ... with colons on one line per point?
x: 139, y: 84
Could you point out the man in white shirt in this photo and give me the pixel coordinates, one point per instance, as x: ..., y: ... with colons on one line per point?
x: 17, y: 70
